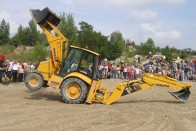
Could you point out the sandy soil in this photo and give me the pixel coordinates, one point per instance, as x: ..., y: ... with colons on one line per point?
x: 152, y: 110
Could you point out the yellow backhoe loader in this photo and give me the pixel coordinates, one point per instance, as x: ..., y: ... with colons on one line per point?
x: 73, y: 70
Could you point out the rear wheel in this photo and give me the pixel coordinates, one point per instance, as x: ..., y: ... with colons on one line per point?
x: 34, y: 82
x: 74, y: 91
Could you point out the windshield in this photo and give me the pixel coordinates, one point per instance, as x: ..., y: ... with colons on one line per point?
x: 80, y: 61
x: 70, y: 64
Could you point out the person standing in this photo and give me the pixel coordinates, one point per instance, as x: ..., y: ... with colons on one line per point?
x: 3, y: 69
x: 114, y: 70
x: 132, y: 73
x: 137, y: 72
x: 10, y: 66
x: 15, y: 71
x: 129, y: 72
x: 20, y: 72
x: 121, y: 71
x: 118, y: 71
x: 125, y: 71
x: 27, y: 69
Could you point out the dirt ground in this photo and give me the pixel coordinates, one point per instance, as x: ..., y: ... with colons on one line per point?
x: 153, y: 109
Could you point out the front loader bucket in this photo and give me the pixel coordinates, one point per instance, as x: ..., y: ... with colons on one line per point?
x: 182, y: 95
x: 40, y: 17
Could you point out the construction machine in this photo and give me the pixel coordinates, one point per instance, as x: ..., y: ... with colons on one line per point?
x: 73, y: 70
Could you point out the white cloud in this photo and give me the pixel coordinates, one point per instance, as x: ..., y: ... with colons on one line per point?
x: 150, y: 28
x: 7, y: 17
x: 157, y: 30
x: 136, y: 3
x: 142, y: 19
x: 175, y: 35
x: 84, y: 4
x: 119, y: 3
x: 161, y: 36
x: 142, y: 16
x: 4, y: 15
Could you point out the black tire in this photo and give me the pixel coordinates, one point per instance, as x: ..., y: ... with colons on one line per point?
x: 34, y: 81
x: 45, y: 84
x: 74, y: 91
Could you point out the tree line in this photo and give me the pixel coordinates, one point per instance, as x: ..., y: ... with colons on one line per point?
x: 110, y: 47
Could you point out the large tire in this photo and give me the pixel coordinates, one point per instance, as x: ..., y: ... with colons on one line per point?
x: 34, y: 81
x: 74, y: 91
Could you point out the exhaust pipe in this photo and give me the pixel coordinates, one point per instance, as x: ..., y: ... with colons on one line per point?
x: 42, y: 16
x: 182, y: 95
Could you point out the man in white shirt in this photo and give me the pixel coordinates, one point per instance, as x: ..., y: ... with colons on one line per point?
x: 10, y: 67
x: 137, y: 72
x: 15, y: 71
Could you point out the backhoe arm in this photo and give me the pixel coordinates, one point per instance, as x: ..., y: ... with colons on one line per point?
x: 102, y: 94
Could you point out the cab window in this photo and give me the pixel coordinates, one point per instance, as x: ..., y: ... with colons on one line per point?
x: 70, y: 64
x: 86, y: 64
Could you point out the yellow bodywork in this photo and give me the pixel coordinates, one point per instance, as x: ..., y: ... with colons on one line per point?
x: 44, y: 68
x: 103, y: 95
x: 58, y: 51
x: 49, y: 71
x: 55, y: 81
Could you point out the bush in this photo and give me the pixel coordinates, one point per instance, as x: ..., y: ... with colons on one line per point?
x: 35, y: 54
x: 7, y: 49
x: 131, y: 53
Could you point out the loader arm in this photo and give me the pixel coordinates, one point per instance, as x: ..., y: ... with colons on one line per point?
x: 58, y: 46
x: 48, y: 22
x: 103, y: 95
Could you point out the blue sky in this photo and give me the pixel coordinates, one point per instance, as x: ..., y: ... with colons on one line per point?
x: 167, y: 22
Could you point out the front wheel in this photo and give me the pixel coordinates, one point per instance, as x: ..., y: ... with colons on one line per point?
x: 74, y: 91
x: 34, y: 81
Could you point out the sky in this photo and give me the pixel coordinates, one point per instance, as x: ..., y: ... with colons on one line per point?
x: 167, y: 22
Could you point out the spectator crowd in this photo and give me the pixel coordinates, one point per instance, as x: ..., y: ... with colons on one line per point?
x: 183, y: 70
x: 15, y: 70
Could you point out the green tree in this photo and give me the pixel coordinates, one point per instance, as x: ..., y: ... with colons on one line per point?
x: 68, y: 28
x: 130, y: 43
x: 183, y: 55
x: 22, y: 37
x: 170, y: 53
x: 85, y: 35
x: 116, y: 46
x: 158, y: 49
x: 147, y: 47
x: 100, y: 44
x: 28, y: 36
x: 95, y: 41
x: 33, y: 33
x: 19, y: 37
x: 4, y: 32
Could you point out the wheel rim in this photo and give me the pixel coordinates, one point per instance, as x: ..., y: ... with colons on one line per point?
x: 73, y: 91
x: 33, y: 82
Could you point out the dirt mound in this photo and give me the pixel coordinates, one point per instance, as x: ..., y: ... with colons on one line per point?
x: 21, y: 49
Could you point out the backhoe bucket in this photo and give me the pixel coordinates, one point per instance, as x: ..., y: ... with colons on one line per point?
x: 40, y: 17
x: 182, y: 95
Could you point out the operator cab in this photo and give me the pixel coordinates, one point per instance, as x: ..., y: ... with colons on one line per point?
x: 80, y: 60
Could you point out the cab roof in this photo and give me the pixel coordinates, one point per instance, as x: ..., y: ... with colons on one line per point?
x: 90, y: 51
